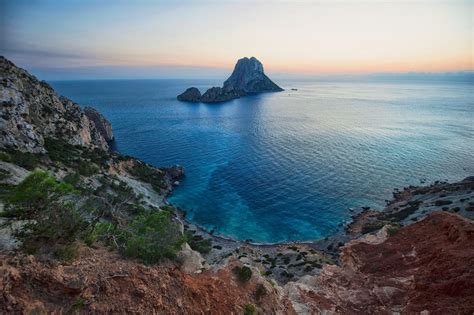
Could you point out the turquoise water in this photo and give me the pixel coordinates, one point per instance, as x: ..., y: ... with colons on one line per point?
x: 287, y: 166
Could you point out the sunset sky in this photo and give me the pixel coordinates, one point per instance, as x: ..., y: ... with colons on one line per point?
x: 205, y: 38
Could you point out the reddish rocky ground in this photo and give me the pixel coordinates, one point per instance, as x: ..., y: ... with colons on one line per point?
x: 103, y: 282
x: 426, y: 266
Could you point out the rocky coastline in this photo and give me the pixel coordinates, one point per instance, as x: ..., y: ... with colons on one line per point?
x: 413, y: 256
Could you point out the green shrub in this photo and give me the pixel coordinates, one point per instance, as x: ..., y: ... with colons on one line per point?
x: 87, y: 169
x: 250, y: 309
x: 101, y: 231
x: 72, y: 179
x: 54, y: 224
x: 5, y: 157
x: 197, y: 243
x: 66, y: 252
x: 244, y: 273
x: 393, y: 229
x: 149, y: 174
x: 34, y: 194
x: 372, y: 227
x: 442, y: 202
x: 152, y: 237
x: 24, y: 159
x: 62, y: 151
x: 260, y: 291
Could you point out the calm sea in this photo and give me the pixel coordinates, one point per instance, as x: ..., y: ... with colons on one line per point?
x: 287, y: 166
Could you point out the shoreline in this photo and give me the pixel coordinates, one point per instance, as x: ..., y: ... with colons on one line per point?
x: 289, y: 261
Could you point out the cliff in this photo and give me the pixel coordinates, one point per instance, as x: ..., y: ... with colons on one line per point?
x: 247, y: 78
x: 96, y: 236
x: 32, y: 111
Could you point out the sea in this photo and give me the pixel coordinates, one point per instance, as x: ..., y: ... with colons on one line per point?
x: 289, y: 166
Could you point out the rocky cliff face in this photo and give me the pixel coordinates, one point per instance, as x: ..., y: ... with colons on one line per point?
x: 247, y: 78
x: 31, y: 111
x: 424, y: 267
x: 103, y: 125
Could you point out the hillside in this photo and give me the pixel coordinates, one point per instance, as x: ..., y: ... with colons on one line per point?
x: 87, y: 230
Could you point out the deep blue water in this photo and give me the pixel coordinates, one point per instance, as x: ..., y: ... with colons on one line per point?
x: 287, y: 166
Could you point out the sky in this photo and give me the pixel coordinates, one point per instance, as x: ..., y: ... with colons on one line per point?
x: 183, y: 39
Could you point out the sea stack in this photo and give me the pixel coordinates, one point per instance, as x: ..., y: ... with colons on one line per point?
x: 247, y: 78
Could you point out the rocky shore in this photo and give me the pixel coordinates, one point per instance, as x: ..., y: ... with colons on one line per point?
x: 413, y: 256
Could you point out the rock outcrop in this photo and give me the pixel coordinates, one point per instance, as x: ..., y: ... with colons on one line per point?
x: 31, y: 111
x: 190, y: 95
x: 247, y: 78
x: 102, y: 124
x: 218, y: 94
x: 424, y: 267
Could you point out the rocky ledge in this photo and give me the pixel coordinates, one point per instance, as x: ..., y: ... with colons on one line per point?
x: 247, y: 78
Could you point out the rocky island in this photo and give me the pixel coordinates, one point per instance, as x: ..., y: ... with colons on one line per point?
x: 248, y: 78
x: 87, y: 230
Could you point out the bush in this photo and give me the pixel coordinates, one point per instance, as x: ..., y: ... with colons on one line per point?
x: 62, y: 151
x: 260, y: 291
x: 250, y: 309
x: 5, y: 157
x: 34, y: 194
x: 101, y: 231
x: 197, y: 243
x: 244, y: 273
x: 152, y: 237
x: 72, y: 179
x: 149, y: 174
x: 442, y: 202
x: 24, y: 159
x: 53, y: 224
x: 87, y: 168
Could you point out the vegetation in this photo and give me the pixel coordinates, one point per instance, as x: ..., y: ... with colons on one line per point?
x: 152, y: 237
x: 372, y: 227
x: 244, y: 273
x: 260, y: 291
x: 24, y: 159
x: 440, y: 202
x: 250, y: 309
x: 149, y: 174
x: 198, y: 243
x: 35, y: 194
x: 86, y: 161
x: 52, y: 222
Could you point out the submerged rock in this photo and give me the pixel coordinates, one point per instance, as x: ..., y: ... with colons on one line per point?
x: 247, y: 78
x: 190, y: 95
